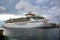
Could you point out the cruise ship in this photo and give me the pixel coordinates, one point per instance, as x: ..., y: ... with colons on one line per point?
x: 29, y: 21
x: 18, y: 28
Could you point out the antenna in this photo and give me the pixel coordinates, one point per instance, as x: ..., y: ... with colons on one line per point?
x: 30, y: 12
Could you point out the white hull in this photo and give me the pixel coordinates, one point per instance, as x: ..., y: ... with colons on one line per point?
x: 23, y: 24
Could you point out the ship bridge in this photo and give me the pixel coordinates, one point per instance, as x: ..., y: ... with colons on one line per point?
x: 30, y: 14
x: 35, y: 17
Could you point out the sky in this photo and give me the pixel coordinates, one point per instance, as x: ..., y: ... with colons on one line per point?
x: 50, y: 9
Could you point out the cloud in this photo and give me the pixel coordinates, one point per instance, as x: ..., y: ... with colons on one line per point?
x: 2, y: 8
x: 5, y: 16
x: 26, y: 6
x: 23, y: 4
x: 57, y: 2
x: 52, y: 14
x: 42, y: 1
x: 8, y: 16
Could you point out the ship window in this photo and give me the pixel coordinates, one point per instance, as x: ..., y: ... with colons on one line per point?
x: 27, y: 18
x: 37, y: 17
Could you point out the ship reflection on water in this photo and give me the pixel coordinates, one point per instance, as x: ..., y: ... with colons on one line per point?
x: 33, y: 33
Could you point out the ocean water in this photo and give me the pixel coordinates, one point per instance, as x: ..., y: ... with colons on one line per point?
x: 33, y: 34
